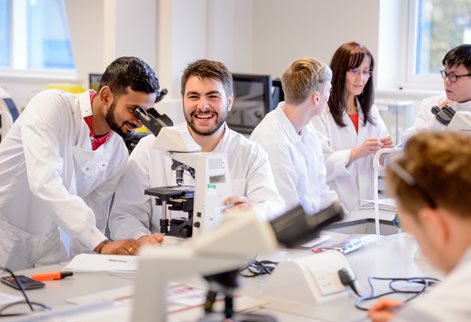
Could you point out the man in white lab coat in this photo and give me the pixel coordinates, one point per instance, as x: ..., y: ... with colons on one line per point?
x: 456, y: 75
x: 207, y: 93
x: 60, y: 164
x: 440, y: 221
x: 291, y: 141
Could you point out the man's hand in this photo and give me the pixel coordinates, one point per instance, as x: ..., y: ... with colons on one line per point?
x: 237, y: 202
x: 154, y: 239
x: 121, y: 247
x: 383, y: 310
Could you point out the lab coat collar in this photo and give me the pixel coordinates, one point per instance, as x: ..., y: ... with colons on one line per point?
x: 466, y: 258
x: 286, y: 124
x: 85, y: 104
x: 222, y: 144
x: 465, y: 106
x: 346, y: 119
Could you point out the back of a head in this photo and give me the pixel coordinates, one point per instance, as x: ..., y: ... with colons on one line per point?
x: 460, y: 55
x: 129, y: 72
x: 302, y: 77
x: 439, y: 162
x: 208, y: 69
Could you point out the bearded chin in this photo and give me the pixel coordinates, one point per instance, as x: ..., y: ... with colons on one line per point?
x: 209, y: 132
x: 114, y: 126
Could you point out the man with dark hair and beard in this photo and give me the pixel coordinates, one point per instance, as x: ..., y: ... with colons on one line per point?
x: 207, y: 94
x: 60, y: 164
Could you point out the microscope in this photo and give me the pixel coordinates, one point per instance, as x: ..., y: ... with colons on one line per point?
x: 459, y: 121
x: 203, y: 201
x: 219, y: 255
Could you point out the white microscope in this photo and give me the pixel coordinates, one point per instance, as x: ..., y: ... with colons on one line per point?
x: 459, y: 121
x: 204, y: 202
x: 238, y: 237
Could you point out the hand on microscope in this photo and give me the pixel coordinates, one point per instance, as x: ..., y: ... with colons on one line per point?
x: 153, y: 239
x: 237, y: 203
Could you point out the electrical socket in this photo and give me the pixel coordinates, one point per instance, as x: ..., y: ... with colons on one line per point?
x: 327, y: 279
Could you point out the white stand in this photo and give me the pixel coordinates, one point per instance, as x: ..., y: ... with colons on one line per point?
x: 376, y: 165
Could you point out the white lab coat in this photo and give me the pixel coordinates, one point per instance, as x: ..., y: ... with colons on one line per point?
x: 445, y: 301
x: 354, y: 183
x: 426, y: 120
x: 51, y: 177
x: 135, y: 214
x: 296, y: 160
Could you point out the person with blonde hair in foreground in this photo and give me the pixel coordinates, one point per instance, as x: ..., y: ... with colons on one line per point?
x: 439, y: 219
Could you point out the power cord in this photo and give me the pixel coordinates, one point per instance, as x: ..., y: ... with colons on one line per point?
x: 27, y: 300
x: 347, y: 277
x: 257, y: 268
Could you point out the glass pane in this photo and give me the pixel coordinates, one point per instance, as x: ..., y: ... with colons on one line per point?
x: 4, y: 33
x: 48, y: 35
x: 442, y: 25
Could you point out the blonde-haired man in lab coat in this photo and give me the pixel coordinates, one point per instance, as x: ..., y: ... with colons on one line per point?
x: 207, y: 94
x: 291, y: 141
x: 60, y: 164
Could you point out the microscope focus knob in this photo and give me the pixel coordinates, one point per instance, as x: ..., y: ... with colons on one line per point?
x: 197, y: 224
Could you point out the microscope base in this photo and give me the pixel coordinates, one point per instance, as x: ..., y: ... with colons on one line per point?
x: 238, y: 317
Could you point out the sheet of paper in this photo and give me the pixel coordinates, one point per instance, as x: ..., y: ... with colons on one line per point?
x: 102, y: 263
x: 316, y: 241
x: 7, y: 299
x: 183, y: 299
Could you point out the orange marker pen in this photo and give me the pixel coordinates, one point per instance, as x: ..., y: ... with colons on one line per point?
x: 51, y: 276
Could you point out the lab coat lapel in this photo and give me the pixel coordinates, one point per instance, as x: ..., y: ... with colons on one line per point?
x: 350, y: 127
x: 362, y: 130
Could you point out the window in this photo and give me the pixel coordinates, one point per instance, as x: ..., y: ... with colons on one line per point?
x: 42, y: 43
x: 4, y: 33
x: 436, y: 27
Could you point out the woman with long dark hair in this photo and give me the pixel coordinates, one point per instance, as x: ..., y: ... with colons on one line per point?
x: 351, y: 129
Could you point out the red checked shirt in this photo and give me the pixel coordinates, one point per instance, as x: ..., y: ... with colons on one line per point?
x: 96, y: 141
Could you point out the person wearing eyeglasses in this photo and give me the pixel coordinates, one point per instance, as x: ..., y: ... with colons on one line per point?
x: 456, y: 75
x: 351, y: 129
x: 440, y: 221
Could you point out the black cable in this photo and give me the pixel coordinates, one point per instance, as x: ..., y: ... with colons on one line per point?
x: 22, y: 289
x: 257, y: 268
x: 6, y: 306
x: 20, y: 285
x: 425, y: 282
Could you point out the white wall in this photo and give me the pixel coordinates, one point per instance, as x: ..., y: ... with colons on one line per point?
x: 289, y: 30
x: 249, y: 36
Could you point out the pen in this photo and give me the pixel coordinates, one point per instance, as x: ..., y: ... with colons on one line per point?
x: 51, y: 276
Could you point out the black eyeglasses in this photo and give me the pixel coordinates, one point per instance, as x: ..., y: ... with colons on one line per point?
x: 452, y: 77
x: 411, y: 182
